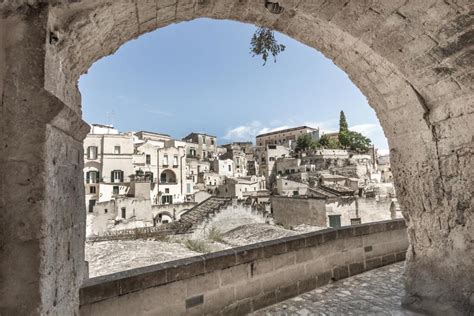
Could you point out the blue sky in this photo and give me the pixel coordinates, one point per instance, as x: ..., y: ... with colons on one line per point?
x: 200, y: 76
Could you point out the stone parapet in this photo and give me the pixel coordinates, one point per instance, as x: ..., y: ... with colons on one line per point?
x: 243, y: 279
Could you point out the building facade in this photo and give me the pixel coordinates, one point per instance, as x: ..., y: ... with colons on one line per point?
x: 286, y: 137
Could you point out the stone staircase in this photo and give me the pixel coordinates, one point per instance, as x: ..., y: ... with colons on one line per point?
x: 203, y: 210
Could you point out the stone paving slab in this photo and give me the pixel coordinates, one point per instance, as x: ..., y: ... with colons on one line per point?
x: 375, y: 292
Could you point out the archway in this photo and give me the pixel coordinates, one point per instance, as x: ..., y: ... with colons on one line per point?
x: 412, y: 60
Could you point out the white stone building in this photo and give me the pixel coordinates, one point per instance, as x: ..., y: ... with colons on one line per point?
x: 286, y: 137
x: 223, y: 167
x: 242, y: 187
x: 205, y: 146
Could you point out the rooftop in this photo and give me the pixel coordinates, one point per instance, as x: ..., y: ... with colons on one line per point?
x: 287, y: 130
x: 195, y: 133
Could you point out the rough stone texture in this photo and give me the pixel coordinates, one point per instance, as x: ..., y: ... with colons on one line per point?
x: 376, y: 292
x: 413, y: 60
x: 244, y: 279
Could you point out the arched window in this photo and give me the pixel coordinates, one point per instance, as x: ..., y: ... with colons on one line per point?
x: 92, y: 177
x: 167, y: 176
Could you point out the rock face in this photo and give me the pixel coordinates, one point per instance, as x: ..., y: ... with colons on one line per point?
x: 413, y: 60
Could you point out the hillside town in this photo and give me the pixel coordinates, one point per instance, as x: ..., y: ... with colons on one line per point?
x: 291, y: 180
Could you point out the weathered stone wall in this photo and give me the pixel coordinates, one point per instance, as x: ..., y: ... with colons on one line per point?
x: 413, y: 61
x: 239, y: 280
x: 42, y: 222
x: 293, y: 211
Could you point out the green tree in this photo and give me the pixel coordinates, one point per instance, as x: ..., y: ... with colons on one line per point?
x: 264, y: 43
x: 305, y: 142
x: 329, y: 143
x: 343, y: 130
x: 358, y: 142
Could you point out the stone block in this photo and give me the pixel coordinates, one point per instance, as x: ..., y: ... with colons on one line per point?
x: 218, y: 299
x: 274, y: 247
x: 283, y: 278
x: 329, y: 236
x: 263, y: 300
x: 400, y: 256
x: 235, y: 274
x: 363, y: 229
x: 345, y: 232
x: 99, y: 291
x: 356, y: 268
x: 248, y: 253
x: 373, y: 263
x: 142, y: 281
x: 295, y: 242
x: 307, y: 285
x: 286, y: 292
x: 340, y: 272
x: 303, y: 255
x: 285, y: 260
x: 388, y: 259
x: 323, y: 278
x: 249, y: 289
x: 202, y: 283
x: 219, y: 260
x: 261, y: 266
x: 314, y: 239
x: 185, y: 268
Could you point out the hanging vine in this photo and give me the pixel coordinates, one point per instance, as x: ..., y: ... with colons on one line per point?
x: 263, y: 44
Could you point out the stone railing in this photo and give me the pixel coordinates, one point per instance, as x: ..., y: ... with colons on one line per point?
x: 243, y: 279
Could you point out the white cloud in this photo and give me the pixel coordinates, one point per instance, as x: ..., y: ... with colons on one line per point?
x: 243, y: 132
x: 273, y: 129
x: 366, y: 129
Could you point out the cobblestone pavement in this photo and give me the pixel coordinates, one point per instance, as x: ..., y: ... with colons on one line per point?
x: 376, y: 292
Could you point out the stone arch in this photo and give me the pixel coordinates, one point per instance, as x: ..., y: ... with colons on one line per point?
x: 413, y: 61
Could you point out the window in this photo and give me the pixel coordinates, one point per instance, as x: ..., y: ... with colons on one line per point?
x: 167, y: 199
x: 117, y: 150
x: 167, y: 190
x: 272, y: 159
x: 91, y: 205
x: 115, y: 190
x: 188, y: 187
x: 230, y: 168
x: 92, y: 152
x: 124, y: 212
x: 106, y: 211
x: 92, y: 177
x: 296, y: 193
x: 165, y: 160
x: 334, y: 220
x: 116, y: 176
x: 175, y: 161
x: 92, y: 190
x: 148, y: 159
x: 356, y: 221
